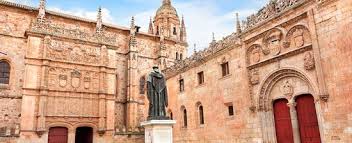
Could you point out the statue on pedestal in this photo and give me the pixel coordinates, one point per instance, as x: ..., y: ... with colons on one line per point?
x: 157, y: 95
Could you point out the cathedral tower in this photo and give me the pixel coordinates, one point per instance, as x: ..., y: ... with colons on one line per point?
x: 167, y: 23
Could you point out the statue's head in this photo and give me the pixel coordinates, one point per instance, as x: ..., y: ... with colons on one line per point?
x: 156, y: 69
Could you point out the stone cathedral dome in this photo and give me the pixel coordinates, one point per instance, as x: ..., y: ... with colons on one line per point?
x: 167, y: 10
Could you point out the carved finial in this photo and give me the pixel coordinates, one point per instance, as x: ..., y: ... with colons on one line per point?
x: 133, y: 30
x: 195, y: 48
x: 132, y: 23
x: 166, y: 2
x: 238, y: 24
x: 41, y: 9
x: 151, y: 30
x: 99, y: 26
x: 183, y: 33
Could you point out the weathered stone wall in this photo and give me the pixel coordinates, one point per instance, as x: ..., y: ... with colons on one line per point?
x: 333, y: 23
x: 302, y: 51
x: 11, y: 95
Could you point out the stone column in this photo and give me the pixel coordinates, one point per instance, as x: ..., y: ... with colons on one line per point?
x: 294, y: 121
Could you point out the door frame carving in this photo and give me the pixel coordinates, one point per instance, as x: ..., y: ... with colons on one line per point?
x: 265, y: 101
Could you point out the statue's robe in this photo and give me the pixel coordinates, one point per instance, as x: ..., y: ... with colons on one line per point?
x: 157, y: 96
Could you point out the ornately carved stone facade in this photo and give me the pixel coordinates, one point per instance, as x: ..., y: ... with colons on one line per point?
x: 285, y: 76
x: 66, y: 72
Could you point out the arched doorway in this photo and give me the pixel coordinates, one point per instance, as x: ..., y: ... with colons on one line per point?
x: 283, y: 124
x: 58, y: 135
x: 84, y: 135
x: 307, y: 119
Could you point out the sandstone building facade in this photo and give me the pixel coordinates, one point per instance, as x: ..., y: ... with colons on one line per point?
x: 284, y: 76
x: 69, y: 79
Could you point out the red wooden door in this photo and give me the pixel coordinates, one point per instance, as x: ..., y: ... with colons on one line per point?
x: 58, y: 135
x: 307, y: 119
x: 283, y: 124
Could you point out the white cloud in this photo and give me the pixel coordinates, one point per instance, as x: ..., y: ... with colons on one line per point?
x: 201, y: 20
x: 106, y: 14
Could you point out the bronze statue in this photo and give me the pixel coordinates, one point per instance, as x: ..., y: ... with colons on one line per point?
x: 157, y: 95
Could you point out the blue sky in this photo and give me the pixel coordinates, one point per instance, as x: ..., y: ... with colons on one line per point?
x: 202, y: 17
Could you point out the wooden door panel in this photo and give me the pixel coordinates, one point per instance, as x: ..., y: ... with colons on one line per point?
x: 58, y: 135
x: 307, y: 119
x: 283, y: 124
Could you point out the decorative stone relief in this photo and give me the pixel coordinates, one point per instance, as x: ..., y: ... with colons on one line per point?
x: 77, y: 53
x: 287, y: 88
x: 78, y: 80
x: 254, y: 54
x: 75, y: 78
x: 63, y: 80
x: 309, y: 63
x: 298, y: 36
x: 72, y: 104
x: 272, y: 43
x: 270, y: 10
x: 49, y: 28
x: 254, y: 76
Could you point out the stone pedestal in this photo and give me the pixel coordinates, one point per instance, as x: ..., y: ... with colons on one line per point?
x: 158, y: 131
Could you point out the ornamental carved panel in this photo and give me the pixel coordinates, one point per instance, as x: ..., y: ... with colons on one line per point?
x: 254, y: 54
x: 309, y: 63
x: 298, y: 36
x: 73, y: 104
x: 64, y: 79
x: 273, y: 42
x: 72, y: 52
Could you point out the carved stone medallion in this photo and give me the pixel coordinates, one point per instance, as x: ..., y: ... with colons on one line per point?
x: 309, y: 63
x: 76, y: 78
x: 287, y: 89
x: 273, y: 43
x: 298, y: 38
x: 63, y: 80
x: 255, y: 57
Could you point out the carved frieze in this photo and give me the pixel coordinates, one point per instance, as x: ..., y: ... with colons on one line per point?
x: 73, y: 80
x: 73, y: 33
x: 272, y: 9
x: 71, y: 52
x: 73, y: 104
x: 71, y: 121
x: 309, y: 62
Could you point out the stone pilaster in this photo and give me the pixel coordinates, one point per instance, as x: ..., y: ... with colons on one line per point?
x: 102, y: 91
x: 132, y: 86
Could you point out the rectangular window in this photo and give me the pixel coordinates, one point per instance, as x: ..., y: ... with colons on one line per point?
x: 231, y: 113
x: 182, y: 85
x: 200, y: 78
x: 225, y: 69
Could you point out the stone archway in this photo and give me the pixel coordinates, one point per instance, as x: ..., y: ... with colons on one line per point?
x: 282, y: 84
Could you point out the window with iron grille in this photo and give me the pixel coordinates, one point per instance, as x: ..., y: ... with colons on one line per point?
x: 4, y: 72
